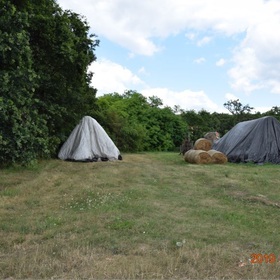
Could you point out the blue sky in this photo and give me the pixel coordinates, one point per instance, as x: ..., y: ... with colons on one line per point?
x: 195, y: 54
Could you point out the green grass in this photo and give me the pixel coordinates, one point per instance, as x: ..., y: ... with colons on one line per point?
x: 151, y: 215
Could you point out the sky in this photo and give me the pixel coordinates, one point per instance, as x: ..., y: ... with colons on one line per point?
x: 195, y: 54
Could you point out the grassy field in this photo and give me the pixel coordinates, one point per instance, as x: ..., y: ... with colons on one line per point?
x: 149, y: 216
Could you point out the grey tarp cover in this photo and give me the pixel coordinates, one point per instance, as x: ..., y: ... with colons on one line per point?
x: 89, y: 142
x: 255, y: 141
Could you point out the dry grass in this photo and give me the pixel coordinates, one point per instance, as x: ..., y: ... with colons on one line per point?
x: 150, y: 216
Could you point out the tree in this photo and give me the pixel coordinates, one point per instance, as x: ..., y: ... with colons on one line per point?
x: 45, y: 84
x: 62, y: 50
x: 195, y: 124
x: 137, y: 123
x: 274, y: 111
x: 239, y: 111
x: 225, y: 122
x: 236, y: 108
x: 22, y: 132
x: 155, y: 101
x: 118, y: 114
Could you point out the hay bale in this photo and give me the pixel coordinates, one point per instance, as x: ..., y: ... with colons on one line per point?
x: 203, y: 144
x: 217, y: 157
x: 197, y: 156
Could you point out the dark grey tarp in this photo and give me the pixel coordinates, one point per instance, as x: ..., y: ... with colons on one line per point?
x: 255, y: 141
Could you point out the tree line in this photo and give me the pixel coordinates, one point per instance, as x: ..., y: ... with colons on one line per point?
x: 46, y: 89
x: 137, y: 123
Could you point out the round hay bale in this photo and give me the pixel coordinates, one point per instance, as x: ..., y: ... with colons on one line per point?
x: 203, y: 144
x: 197, y: 156
x: 217, y: 157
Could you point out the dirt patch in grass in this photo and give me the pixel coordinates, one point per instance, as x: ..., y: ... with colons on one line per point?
x: 259, y: 198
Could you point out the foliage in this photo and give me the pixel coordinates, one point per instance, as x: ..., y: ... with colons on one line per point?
x: 62, y: 51
x: 200, y: 123
x: 45, y: 53
x: 136, y: 123
x: 238, y: 110
x: 225, y: 123
x: 275, y: 112
x: 22, y: 131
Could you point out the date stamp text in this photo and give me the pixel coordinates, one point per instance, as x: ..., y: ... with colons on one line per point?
x: 262, y: 258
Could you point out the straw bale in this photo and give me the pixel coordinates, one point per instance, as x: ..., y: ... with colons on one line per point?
x: 197, y: 156
x: 217, y: 157
x: 203, y: 144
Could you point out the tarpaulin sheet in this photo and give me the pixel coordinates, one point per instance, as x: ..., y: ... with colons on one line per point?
x: 255, y: 141
x: 87, y: 142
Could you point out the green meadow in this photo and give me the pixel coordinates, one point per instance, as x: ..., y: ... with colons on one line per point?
x: 150, y: 216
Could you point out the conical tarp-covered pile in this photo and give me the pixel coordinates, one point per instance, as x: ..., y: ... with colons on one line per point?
x: 89, y: 142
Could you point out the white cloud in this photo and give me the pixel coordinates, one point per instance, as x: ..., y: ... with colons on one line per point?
x: 186, y: 99
x: 230, y: 96
x: 205, y: 40
x: 257, y: 59
x: 245, y: 73
x: 135, y: 25
x: 111, y: 77
x: 274, y: 85
x: 220, y: 62
x: 190, y: 35
x: 143, y: 71
x: 200, y: 60
x: 261, y: 109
